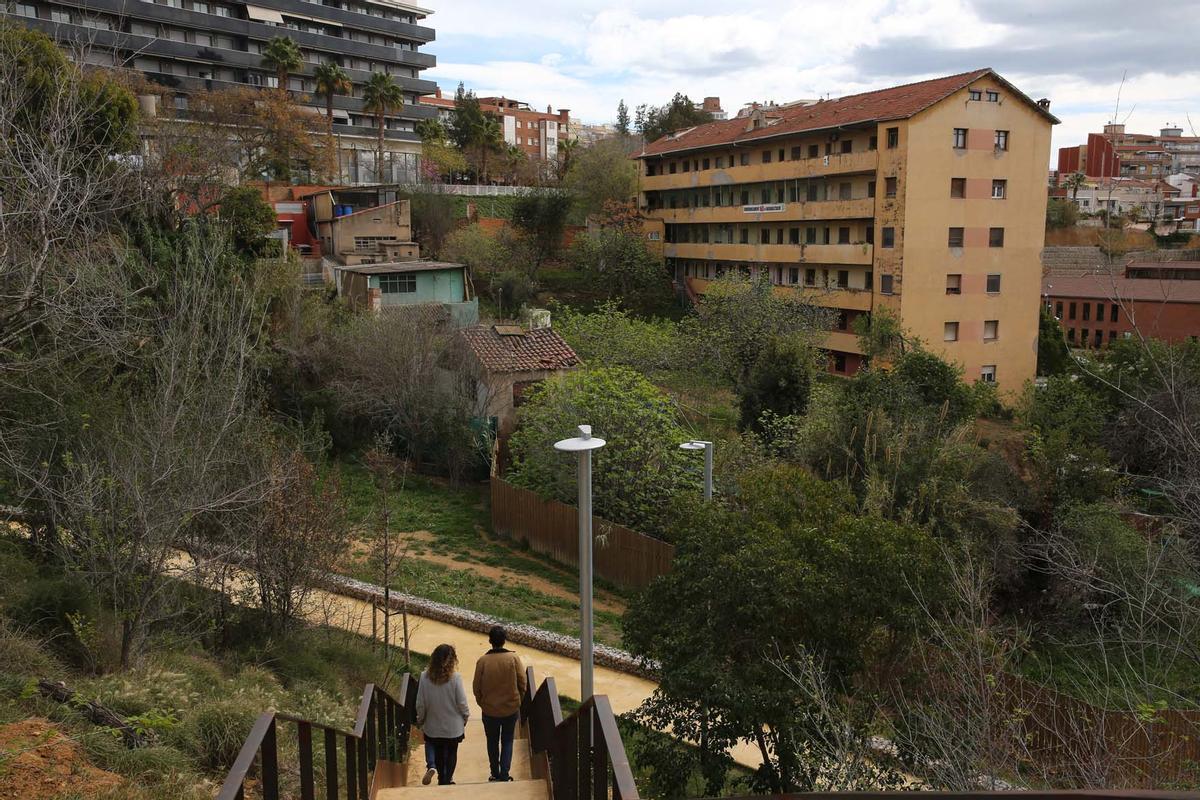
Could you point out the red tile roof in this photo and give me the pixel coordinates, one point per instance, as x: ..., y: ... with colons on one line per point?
x: 896, y: 102
x: 540, y: 349
x: 1107, y: 287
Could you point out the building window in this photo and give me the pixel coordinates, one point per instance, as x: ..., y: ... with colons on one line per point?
x: 1112, y: 312
x: 868, y: 280
x: 397, y: 284
x: 950, y: 332
x: 843, y: 279
x: 954, y: 284
x: 60, y: 16
x: 839, y: 362
x: 687, y: 165
x: 810, y: 235
x: 764, y: 235
x: 843, y: 235
x: 955, y: 238
x: 993, y: 97
x: 873, y: 143
x: 993, y: 284
x: 870, y: 234
x: 744, y: 160
x: 1099, y: 312
x: 745, y: 239
x: 847, y: 145
x: 1087, y: 312
x: 1001, y: 140
x: 889, y: 187
x: 1058, y: 309
x: 999, y: 189
x: 1083, y: 337
x: 796, y: 153
x: 958, y: 187
x: 704, y: 164
x: 893, y: 138
x: 975, y: 94
x: 1112, y: 336
x: 995, y: 237
x: 793, y: 275
x: 987, y: 373
x: 781, y: 158
x: 885, y: 284
x: 25, y: 10
x: 766, y: 156
x: 991, y: 330
x: 889, y: 237
x: 671, y: 168
x: 870, y: 188
x: 960, y: 138
x: 844, y: 191
x: 1071, y: 311
x: 810, y: 277
x: 814, y: 151
x: 793, y: 236
x: 1071, y: 335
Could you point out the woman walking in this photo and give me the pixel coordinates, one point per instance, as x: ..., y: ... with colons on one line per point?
x: 442, y: 712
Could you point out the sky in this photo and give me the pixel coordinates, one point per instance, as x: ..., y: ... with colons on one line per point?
x: 587, y: 55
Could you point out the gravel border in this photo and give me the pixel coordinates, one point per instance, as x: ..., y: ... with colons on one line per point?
x: 611, y: 657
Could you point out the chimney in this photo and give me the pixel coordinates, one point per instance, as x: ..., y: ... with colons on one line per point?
x: 437, y: 92
x: 711, y: 104
x: 1044, y: 104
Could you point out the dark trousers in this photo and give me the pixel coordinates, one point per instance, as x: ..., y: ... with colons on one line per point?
x: 445, y: 758
x: 499, y: 732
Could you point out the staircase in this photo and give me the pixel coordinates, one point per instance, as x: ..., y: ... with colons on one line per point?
x: 577, y: 758
x: 471, y: 774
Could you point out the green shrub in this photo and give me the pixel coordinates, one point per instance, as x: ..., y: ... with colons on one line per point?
x: 214, y: 733
x: 22, y: 654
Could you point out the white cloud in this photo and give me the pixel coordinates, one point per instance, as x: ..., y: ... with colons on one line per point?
x: 588, y: 54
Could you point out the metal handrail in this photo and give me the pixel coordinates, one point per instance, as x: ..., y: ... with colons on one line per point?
x: 380, y: 731
x: 585, y: 754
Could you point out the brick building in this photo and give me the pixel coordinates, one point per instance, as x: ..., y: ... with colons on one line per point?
x: 926, y: 199
x: 1115, y: 153
x: 1097, y: 309
x: 537, y: 133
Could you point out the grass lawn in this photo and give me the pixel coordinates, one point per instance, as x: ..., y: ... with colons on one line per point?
x: 452, y: 557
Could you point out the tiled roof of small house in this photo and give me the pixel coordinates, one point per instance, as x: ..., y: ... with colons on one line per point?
x: 510, y: 348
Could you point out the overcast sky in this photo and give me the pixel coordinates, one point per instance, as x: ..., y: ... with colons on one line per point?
x: 588, y: 54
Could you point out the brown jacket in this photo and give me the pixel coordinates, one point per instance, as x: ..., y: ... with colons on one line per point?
x: 499, y: 683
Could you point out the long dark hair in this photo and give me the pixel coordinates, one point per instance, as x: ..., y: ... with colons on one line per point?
x: 442, y: 663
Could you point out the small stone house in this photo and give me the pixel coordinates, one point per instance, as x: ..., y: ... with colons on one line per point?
x: 513, y: 359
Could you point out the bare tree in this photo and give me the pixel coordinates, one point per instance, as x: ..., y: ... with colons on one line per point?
x: 411, y: 374
x: 389, y: 473
x: 163, y: 448
x: 301, y: 532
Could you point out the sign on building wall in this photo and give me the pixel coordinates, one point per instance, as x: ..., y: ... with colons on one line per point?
x: 764, y: 208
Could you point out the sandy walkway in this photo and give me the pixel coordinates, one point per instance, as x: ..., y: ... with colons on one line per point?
x: 625, y: 692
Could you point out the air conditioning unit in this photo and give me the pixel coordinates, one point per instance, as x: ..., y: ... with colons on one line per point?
x: 825, y: 161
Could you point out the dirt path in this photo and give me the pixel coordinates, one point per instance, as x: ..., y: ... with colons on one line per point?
x: 360, y: 551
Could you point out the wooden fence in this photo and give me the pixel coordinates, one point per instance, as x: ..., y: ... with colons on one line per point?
x: 1077, y: 741
x: 621, y: 556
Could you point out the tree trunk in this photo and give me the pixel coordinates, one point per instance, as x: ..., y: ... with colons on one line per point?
x: 94, y: 711
x: 379, y: 155
x: 773, y: 776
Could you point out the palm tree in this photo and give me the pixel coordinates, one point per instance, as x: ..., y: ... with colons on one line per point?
x: 1075, y: 181
x: 331, y: 79
x: 380, y: 95
x: 488, y: 139
x: 282, y: 55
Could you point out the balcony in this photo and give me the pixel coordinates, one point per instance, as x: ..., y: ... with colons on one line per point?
x: 837, y: 164
x: 844, y: 341
x: 808, y: 254
x: 862, y: 208
x: 847, y: 299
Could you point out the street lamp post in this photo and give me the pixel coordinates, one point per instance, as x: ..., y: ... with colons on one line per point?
x: 707, y: 447
x: 583, y: 445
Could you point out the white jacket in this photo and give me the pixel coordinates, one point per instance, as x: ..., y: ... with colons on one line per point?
x: 442, y: 710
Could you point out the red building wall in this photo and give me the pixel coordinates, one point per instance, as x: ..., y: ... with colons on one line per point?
x: 1172, y: 322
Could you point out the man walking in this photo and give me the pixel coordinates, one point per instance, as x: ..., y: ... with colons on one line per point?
x: 499, y: 686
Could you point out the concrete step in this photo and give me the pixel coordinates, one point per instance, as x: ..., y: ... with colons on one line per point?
x: 473, y: 765
x: 517, y: 790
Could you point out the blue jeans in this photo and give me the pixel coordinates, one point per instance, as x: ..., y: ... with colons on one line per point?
x: 499, y: 732
x: 429, y: 757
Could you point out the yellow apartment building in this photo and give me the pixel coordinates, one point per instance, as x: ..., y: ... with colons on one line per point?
x: 928, y: 199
